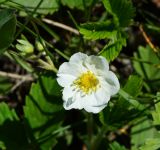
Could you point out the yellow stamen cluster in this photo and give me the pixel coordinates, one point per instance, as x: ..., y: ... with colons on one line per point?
x: 87, y: 82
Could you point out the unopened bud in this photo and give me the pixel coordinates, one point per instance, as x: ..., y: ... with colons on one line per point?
x: 40, y: 45
x: 25, y: 47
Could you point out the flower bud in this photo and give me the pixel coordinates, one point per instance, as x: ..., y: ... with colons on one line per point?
x: 40, y: 45
x: 25, y: 47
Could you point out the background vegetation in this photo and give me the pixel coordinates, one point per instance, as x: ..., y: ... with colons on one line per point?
x: 38, y: 36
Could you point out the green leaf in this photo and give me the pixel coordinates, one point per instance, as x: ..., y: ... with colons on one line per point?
x: 133, y: 85
x: 126, y: 106
x: 21, y: 61
x: 7, y: 28
x: 2, y: 145
x: 5, y: 16
x: 104, y: 116
x: 151, y: 144
x: 6, y: 113
x: 1, y: 1
x: 79, y: 4
x: 98, y: 30
x: 131, y: 100
x: 112, y: 50
x: 130, y: 91
x: 116, y: 146
x: 47, y: 6
x: 156, y: 113
x: 147, y: 67
x: 122, y: 11
x: 44, y: 111
x: 12, y: 131
x: 5, y: 85
x: 141, y: 132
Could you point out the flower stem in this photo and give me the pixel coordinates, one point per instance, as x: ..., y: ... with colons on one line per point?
x: 47, y: 66
x: 51, y: 64
x: 97, y: 140
x: 90, y: 128
x: 93, y: 141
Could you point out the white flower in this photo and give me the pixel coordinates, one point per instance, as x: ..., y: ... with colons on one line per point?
x: 87, y: 82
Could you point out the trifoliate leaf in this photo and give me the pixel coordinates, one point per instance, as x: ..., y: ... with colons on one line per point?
x: 43, y: 110
x: 116, y: 146
x: 113, y: 48
x: 142, y: 131
x: 126, y: 106
x: 147, y: 67
x: 98, y: 30
x: 131, y: 90
x: 156, y: 113
x: 12, y: 131
x: 133, y: 85
x: 6, y: 114
x: 151, y: 144
x: 47, y: 6
x: 78, y: 4
x: 5, y: 85
x: 7, y: 28
x: 122, y: 11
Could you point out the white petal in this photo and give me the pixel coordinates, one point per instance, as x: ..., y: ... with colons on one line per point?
x: 89, y: 100
x: 65, y: 80
x: 67, y: 68
x: 78, y: 58
x: 110, y: 83
x: 99, y: 62
x: 94, y: 109
x: 67, y: 93
x: 72, y: 101
x: 102, y: 97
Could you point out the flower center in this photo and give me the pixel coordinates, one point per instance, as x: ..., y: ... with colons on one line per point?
x: 87, y: 82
